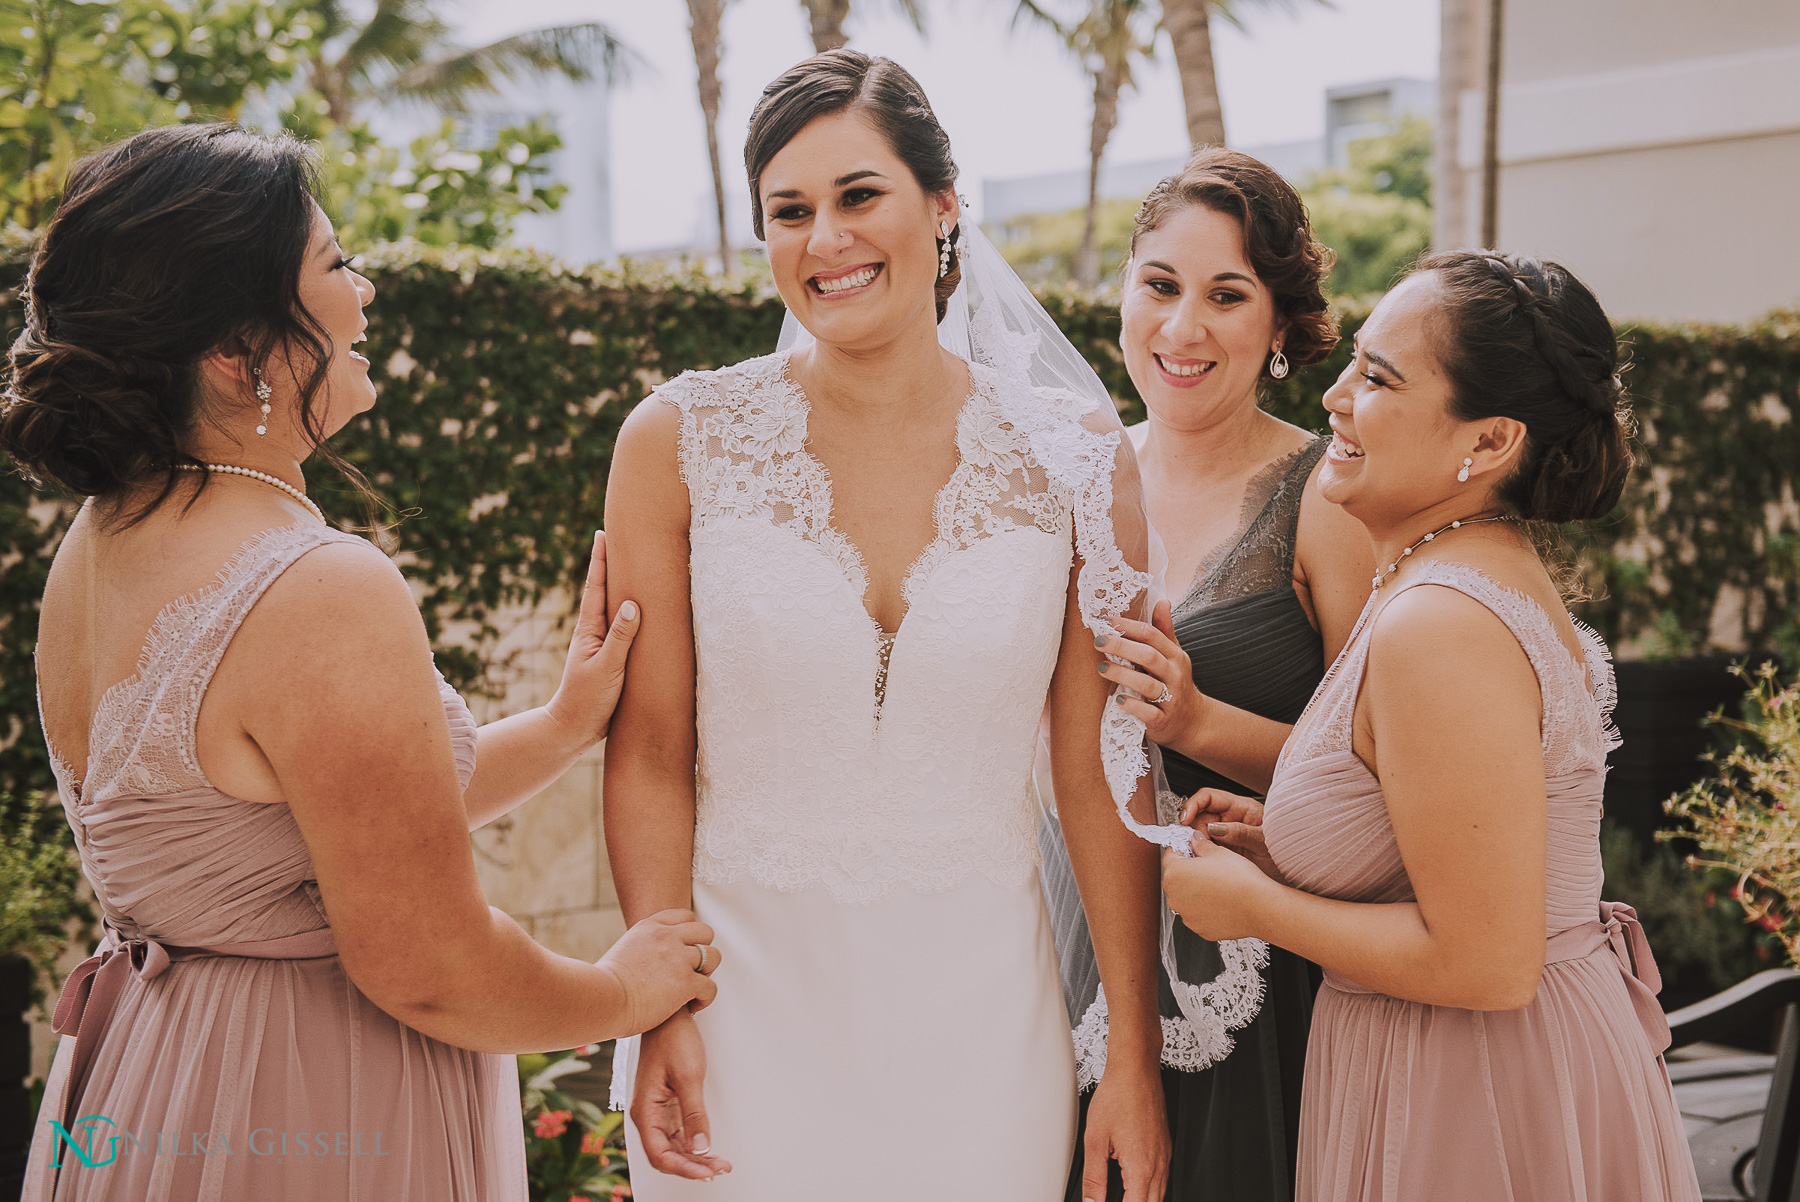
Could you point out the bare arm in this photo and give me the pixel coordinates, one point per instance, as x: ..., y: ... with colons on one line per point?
x: 357, y: 738
x: 651, y: 745
x: 650, y: 757
x: 1333, y: 564
x: 519, y: 756
x: 1462, y: 772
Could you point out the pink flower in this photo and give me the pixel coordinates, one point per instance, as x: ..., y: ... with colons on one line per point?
x: 593, y: 1145
x: 586, y: 1049
x: 551, y: 1123
x: 621, y: 1191
x: 1770, y: 923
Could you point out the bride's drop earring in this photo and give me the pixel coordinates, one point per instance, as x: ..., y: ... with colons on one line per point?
x: 1278, y: 366
x: 263, y: 393
x: 943, y: 249
x: 1462, y: 477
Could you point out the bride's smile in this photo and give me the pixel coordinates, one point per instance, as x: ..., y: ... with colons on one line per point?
x: 852, y: 235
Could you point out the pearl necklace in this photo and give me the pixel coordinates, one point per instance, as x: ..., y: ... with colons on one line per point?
x: 253, y: 474
x: 1382, y: 574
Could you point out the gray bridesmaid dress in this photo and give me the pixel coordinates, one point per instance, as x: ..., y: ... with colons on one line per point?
x: 1235, y: 1123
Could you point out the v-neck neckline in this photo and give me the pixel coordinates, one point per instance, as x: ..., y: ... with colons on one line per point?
x: 940, y: 533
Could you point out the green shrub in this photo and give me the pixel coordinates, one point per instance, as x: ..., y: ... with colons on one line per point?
x: 40, y: 887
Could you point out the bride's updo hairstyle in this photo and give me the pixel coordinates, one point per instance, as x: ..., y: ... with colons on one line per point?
x: 1523, y: 338
x: 165, y: 247
x: 1278, y: 239
x: 887, y: 95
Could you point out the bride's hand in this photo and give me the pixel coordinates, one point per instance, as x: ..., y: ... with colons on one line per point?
x: 666, y: 1103
x: 1126, y: 1122
x: 1234, y: 822
x: 1156, y: 662
x: 595, y: 670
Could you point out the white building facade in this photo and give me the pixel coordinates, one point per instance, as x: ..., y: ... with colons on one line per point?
x: 1652, y: 146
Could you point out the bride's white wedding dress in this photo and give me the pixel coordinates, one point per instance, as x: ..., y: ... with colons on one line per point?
x: 890, y: 1021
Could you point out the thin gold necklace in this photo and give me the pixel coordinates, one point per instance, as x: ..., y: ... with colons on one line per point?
x: 1382, y: 574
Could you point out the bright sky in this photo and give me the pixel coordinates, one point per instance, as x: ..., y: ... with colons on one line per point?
x: 1012, y: 100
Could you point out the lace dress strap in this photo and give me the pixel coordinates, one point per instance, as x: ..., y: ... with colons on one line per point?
x: 143, y: 737
x: 1578, y: 694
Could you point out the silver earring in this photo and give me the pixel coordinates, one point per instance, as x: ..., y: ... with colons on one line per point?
x: 1462, y: 477
x: 1278, y: 366
x: 943, y: 249
x: 263, y: 393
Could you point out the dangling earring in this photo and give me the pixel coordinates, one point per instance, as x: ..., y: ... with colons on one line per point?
x: 1278, y: 366
x: 943, y: 249
x: 1462, y: 477
x: 263, y: 393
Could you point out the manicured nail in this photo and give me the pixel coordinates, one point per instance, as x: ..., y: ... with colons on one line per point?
x: 1215, y: 828
x: 1102, y: 667
x: 701, y: 1146
x: 1100, y: 641
x: 628, y: 611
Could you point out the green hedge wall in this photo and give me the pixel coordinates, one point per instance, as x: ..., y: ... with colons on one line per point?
x: 504, y: 377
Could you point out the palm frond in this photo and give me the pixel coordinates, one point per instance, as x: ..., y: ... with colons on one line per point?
x: 1029, y: 10
x: 399, y: 35
x: 577, y: 52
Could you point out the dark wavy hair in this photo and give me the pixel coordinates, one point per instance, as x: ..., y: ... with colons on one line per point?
x: 882, y: 90
x: 1278, y: 238
x: 164, y: 248
x: 1524, y: 338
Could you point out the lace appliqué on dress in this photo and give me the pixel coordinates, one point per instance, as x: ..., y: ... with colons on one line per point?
x: 807, y: 774
x: 143, y: 733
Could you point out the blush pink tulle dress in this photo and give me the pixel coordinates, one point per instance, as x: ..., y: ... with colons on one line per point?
x: 214, y: 1050
x: 1565, y: 1100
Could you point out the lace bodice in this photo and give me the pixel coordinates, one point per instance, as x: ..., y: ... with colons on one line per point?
x: 828, y: 753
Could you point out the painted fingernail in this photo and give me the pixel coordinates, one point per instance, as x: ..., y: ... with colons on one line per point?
x: 701, y: 1145
x: 1100, y: 640
x: 1215, y: 828
x: 1101, y: 667
x: 628, y: 611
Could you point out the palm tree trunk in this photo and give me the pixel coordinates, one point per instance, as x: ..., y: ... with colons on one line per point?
x: 1490, y: 150
x: 1190, y: 33
x: 704, y: 19
x: 827, y: 18
x: 1108, y: 81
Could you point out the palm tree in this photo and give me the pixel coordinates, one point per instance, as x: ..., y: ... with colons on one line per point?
x: 827, y: 18
x: 1189, y: 23
x: 704, y: 19
x: 1109, y: 37
x: 403, y: 50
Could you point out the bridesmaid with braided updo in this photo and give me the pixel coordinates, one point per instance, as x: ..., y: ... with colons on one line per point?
x: 1488, y: 1028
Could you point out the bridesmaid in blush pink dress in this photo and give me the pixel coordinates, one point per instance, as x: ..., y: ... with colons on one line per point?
x: 1488, y: 1029
x: 301, y: 993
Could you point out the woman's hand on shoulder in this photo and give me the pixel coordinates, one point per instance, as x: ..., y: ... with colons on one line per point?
x: 1155, y: 662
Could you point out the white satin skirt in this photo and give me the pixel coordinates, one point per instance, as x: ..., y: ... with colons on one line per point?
x: 915, y: 1047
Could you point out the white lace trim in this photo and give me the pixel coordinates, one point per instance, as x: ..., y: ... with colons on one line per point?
x: 1227, y: 1003
x: 143, y: 726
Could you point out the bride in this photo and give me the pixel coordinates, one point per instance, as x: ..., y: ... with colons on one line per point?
x: 868, y: 565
